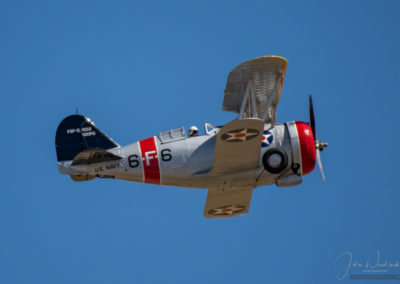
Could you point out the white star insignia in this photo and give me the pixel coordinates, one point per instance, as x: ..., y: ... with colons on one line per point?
x: 266, y: 136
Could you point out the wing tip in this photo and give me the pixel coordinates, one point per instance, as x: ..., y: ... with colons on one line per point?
x: 211, y: 216
x: 272, y: 57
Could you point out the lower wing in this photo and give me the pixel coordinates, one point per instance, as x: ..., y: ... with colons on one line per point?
x: 238, y: 146
x: 226, y: 203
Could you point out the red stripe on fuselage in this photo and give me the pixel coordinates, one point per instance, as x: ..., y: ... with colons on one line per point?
x: 151, y: 167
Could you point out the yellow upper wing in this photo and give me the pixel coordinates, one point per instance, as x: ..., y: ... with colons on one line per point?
x: 262, y: 77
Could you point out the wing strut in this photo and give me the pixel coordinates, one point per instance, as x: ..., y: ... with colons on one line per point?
x: 268, y: 108
x: 245, y: 101
x: 248, y: 108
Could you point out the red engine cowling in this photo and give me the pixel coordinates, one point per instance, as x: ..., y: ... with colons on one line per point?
x: 307, y: 146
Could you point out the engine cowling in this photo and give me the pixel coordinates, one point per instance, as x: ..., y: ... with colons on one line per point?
x: 294, y: 156
x: 303, y: 147
x: 307, y: 147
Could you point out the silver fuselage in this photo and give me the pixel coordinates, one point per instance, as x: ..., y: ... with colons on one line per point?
x: 184, y: 162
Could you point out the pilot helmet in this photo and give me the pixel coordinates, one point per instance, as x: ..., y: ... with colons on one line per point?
x: 193, y: 131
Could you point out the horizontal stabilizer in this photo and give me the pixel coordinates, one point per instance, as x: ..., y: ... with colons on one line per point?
x: 93, y: 156
x: 82, y: 177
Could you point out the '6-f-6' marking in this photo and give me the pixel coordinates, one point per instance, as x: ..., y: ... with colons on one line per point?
x: 150, y: 162
x: 133, y: 160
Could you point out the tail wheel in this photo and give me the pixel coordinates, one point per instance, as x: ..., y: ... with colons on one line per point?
x: 275, y: 160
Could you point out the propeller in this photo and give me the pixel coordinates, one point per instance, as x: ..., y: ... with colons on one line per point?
x: 319, y: 145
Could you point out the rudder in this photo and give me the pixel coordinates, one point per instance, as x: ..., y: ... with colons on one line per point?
x: 77, y: 133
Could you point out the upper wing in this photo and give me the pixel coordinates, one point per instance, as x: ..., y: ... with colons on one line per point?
x: 238, y: 146
x: 253, y: 88
x: 225, y: 203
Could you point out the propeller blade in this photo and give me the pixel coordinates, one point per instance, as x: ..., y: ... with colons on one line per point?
x: 319, y: 145
x: 312, y: 119
x: 320, y: 163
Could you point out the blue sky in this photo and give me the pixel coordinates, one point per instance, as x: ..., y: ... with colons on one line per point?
x: 140, y: 67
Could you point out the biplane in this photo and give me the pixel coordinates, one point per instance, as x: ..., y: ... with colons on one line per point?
x: 230, y: 160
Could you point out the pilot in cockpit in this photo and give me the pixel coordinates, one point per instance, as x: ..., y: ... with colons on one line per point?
x: 193, y: 131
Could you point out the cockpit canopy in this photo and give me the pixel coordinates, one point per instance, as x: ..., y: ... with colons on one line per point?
x: 180, y: 134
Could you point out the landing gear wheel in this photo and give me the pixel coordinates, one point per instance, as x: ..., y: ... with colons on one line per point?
x: 275, y: 161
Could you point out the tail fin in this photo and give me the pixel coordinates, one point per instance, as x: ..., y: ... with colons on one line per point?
x: 77, y: 133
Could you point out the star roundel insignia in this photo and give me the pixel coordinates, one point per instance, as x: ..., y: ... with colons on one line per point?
x: 240, y: 135
x: 227, y: 210
x: 267, y: 139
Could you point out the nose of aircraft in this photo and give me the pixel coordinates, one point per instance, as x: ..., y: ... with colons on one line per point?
x: 307, y: 146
